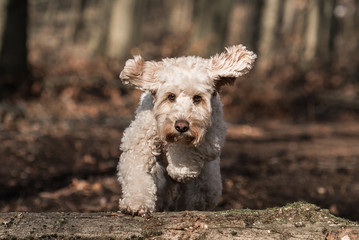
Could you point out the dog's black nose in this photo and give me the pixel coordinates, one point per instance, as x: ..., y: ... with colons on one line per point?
x: 181, y: 126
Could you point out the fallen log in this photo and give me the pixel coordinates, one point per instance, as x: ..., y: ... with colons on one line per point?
x: 294, y: 221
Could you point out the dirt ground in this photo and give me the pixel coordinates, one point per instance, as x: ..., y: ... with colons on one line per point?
x: 60, y: 154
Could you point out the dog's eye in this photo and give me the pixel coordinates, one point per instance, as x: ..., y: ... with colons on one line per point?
x: 171, y: 97
x: 197, y: 99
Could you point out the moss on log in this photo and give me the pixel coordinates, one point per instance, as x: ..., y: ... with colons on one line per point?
x: 294, y: 221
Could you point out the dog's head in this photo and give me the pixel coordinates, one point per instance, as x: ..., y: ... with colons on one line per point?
x: 183, y: 89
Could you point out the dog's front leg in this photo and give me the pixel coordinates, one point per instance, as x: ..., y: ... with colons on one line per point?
x: 138, y: 185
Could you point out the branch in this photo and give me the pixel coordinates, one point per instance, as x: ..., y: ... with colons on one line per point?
x: 294, y: 221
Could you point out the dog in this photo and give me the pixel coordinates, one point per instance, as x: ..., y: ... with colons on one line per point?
x: 171, y: 152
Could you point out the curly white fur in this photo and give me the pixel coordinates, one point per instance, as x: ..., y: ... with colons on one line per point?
x: 165, y: 165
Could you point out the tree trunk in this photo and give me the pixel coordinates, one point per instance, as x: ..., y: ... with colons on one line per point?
x: 210, y: 27
x: 76, y: 25
x: 312, y: 33
x: 180, y: 17
x: 326, y: 27
x: 125, y: 25
x: 346, y: 38
x: 269, y: 34
x: 13, y: 50
x: 244, y: 18
x: 294, y: 221
x: 99, y: 34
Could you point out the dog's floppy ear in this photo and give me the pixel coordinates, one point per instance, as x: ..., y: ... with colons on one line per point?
x: 140, y: 73
x: 224, y: 68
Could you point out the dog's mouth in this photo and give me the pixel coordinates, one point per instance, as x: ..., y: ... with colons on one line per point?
x: 180, y: 137
x: 182, y: 131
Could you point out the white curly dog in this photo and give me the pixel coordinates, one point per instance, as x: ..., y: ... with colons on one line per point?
x: 170, y: 152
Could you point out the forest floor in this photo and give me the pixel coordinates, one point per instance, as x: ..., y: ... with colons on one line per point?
x: 59, y: 150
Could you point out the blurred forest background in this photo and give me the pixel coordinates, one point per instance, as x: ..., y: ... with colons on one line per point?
x: 293, y: 121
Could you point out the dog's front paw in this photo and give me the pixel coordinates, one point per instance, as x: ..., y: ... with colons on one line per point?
x: 134, y: 209
x: 181, y: 174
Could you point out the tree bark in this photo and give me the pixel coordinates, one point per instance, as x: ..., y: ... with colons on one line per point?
x: 294, y: 221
